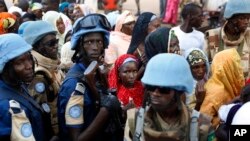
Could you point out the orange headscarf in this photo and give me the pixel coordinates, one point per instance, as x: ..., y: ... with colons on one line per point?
x: 7, y: 20
x: 225, y: 83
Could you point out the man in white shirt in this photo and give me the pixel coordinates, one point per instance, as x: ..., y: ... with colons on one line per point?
x: 186, y: 33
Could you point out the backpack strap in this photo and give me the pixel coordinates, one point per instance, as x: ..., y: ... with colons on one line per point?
x: 231, y: 113
x: 194, y: 132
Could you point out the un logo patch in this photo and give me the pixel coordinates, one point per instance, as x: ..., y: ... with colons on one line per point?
x: 75, y: 111
x: 26, y: 130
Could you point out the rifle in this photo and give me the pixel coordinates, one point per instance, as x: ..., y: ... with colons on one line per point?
x: 140, y: 118
x: 90, y: 74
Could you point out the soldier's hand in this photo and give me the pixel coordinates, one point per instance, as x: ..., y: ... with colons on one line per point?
x: 110, y: 102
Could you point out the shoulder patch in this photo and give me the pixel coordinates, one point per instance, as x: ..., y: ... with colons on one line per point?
x: 75, y: 111
x: 26, y: 130
x: 40, y: 87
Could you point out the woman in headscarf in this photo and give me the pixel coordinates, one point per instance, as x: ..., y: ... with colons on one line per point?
x: 146, y: 23
x: 123, y: 78
x: 120, y: 38
x: 81, y: 10
x: 157, y: 42
x: 199, y: 67
x: 225, y: 83
x: 8, y: 23
x: 36, y: 9
x: 61, y: 23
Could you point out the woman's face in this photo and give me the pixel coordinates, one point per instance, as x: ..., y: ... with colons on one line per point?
x: 60, y: 25
x: 153, y: 25
x: 198, y: 70
x: 23, y: 66
x: 78, y: 13
x: 128, y: 28
x: 48, y: 46
x: 70, y: 13
x: 174, y: 46
x: 38, y: 13
x: 128, y: 73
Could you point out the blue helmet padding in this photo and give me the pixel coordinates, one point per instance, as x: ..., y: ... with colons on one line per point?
x: 76, y: 36
x: 169, y: 70
x: 11, y: 46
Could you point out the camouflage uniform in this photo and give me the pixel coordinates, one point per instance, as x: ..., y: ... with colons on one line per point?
x: 156, y: 129
x: 45, y: 85
x: 218, y: 41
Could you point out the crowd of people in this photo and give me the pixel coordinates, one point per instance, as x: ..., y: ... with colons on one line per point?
x: 69, y: 73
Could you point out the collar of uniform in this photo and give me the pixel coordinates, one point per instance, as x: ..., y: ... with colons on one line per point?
x: 45, y: 62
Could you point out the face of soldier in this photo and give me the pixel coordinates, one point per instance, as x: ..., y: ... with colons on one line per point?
x: 161, y: 97
x: 93, y: 46
x: 241, y: 22
x: 23, y: 67
x: 128, y: 73
x: 48, y: 46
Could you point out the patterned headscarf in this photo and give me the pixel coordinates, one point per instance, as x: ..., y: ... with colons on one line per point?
x: 124, y: 94
x: 196, y: 57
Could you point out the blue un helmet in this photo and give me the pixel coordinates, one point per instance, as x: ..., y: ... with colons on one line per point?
x: 169, y: 70
x: 90, y: 23
x: 36, y: 30
x: 236, y: 7
x: 11, y: 46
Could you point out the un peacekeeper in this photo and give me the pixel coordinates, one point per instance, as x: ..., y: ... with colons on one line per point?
x: 79, y: 119
x: 21, y: 117
x: 46, y: 83
x: 167, y: 117
x: 235, y: 33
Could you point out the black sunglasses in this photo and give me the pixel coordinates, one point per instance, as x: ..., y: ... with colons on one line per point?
x: 91, y: 21
x: 51, y: 43
x: 163, y: 90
